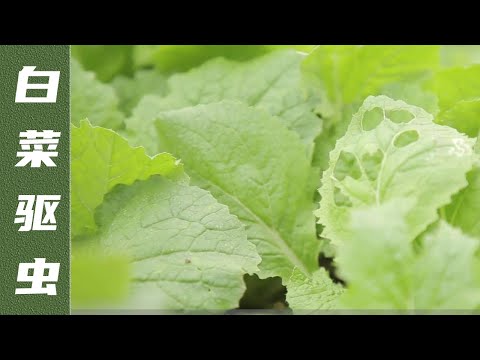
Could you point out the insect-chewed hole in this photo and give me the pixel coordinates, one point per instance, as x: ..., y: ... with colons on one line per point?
x: 406, y: 138
x: 347, y: 165
x: 372, y: 118
x: 371, y: 163
x: 340, y: 198
x: 400, y: 116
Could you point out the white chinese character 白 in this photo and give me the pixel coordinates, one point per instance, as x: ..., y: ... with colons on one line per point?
x: 23, y: 85
x: 38, y: 277
x: 32, y: 217
x: 44, y: 144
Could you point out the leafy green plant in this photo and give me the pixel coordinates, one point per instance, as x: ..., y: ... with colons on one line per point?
x: 218, y: 177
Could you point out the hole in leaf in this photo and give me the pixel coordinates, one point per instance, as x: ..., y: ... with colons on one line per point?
x: 406, y: 138
x: 328, y: 264
x: 372, y: 118
x: 341, y: 199
x: 400, y: 116
x: 262, y: 293
x: 371, y: 163
x: 347, y: 165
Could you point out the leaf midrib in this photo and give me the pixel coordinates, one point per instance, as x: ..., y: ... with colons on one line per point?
x: 278, y: 239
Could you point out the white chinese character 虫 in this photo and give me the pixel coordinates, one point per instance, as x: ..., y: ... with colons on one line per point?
x: 38, y: 155
x: 33, y: 218
x: 23, y: 86
x: 38, y: 277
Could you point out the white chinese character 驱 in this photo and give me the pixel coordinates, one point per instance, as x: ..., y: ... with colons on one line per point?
x: 38, y: 155
x: 23, y: 85
x: 38, y: 277
x: 30, y: 212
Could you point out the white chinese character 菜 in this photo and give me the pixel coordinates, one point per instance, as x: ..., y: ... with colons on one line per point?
x: 23, y: 85
x: 38, y: 155
x: 32, y: 217
x: 41, y: 272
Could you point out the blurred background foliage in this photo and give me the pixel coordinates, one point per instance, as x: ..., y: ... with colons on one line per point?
x: 107, y: 61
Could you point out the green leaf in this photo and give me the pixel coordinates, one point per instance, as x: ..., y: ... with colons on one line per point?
x: 317, y: 292
x: 392, y: 150
x: 350, y: 73
x: 458, y: 91
x: 177, y: 58
x: 460, y: 55
x: 131, y: 90
x: 347, y: 74
x: 377, y: 261
x: 106, y: 61
x: 253, y: 164
x: 93, y: 100
x: 101, y: 159
x: 383, y: 271
x: 464, y: 211
x: 445, y: 273
x: 187, y: 251
x: 272, y: 82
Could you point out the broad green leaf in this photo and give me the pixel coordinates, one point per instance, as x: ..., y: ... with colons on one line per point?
x: 460, y: 55
x: 272, y: 82
x: 464, y: 211
x: 347, y: 74
x: 445, y: 273
x: 187, y: 251
x: 93, y: 100
x: 458, y: 92
x: 131, y: 90
x: 377, y: 261
x: 176, y: 58
x: 106, y: 61
x: 100, y: 160
x: 392, y: 150
x: 98, y: 280
x: 383, y: 271
x: 249, y: 161
x: 317, y: 292
x: 409, y: 91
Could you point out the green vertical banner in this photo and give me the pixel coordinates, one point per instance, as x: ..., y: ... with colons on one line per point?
x: 35, y: 174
